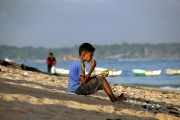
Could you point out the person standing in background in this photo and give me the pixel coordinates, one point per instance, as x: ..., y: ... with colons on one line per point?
x: 51, y: 61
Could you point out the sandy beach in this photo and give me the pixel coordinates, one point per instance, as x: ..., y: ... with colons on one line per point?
x: 27, y: 95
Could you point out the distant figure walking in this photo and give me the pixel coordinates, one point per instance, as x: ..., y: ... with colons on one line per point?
x: 51, y: 61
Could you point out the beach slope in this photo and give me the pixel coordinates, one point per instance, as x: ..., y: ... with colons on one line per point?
x: 27, y: 95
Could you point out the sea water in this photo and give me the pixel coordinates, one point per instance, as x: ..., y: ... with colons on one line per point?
x: 163, y: 81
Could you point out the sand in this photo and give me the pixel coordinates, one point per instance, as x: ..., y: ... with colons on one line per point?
x: 26, y: 95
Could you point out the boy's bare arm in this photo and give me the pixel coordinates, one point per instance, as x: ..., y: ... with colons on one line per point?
x: 84, y: 79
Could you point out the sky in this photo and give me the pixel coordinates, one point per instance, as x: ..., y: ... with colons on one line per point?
x: 66, y: 23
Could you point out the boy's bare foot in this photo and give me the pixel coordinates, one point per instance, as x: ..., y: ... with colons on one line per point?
x: 121, y: 97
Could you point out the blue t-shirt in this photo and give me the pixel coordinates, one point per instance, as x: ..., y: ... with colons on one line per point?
x: 77, y: 69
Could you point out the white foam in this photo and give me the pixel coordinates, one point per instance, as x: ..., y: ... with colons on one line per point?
x: 170, y: 88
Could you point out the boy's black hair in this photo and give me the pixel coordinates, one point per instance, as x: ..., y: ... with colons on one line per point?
x: 51, y: 53
x: 87, y: 47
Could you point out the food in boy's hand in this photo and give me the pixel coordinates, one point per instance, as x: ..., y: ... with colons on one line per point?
x: 105, y: 73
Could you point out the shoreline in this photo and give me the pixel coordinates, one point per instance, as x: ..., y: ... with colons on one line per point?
x: 31, y: 95
x: 158, y: 88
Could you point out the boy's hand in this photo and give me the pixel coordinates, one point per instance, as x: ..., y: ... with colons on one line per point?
x: 104, y: 74
x: 93, y: 63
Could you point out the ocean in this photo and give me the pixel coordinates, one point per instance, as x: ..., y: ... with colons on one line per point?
x: 163, y: 81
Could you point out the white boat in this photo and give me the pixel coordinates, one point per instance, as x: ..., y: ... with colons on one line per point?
x: 140, y: 72
x: 60, y: 71
x: 172, y: 71
x: 113, y: 73
x: 7, y: 59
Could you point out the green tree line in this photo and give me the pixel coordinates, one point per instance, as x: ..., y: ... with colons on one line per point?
x: 116, y: 51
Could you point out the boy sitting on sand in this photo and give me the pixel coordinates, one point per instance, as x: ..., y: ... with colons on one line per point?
x: 81, y: 84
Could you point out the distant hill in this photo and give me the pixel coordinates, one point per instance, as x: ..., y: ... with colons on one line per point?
x: 121, y: 51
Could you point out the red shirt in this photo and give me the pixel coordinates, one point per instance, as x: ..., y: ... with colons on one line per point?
x: 51, y: 61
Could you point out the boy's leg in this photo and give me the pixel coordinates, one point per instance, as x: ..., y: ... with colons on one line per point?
x: 49, y: 69
x: 110, y: 94
x: 108, y: 90
x: 98, y: 83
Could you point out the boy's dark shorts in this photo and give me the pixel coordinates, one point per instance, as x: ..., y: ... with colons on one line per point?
x: 93, y: 85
